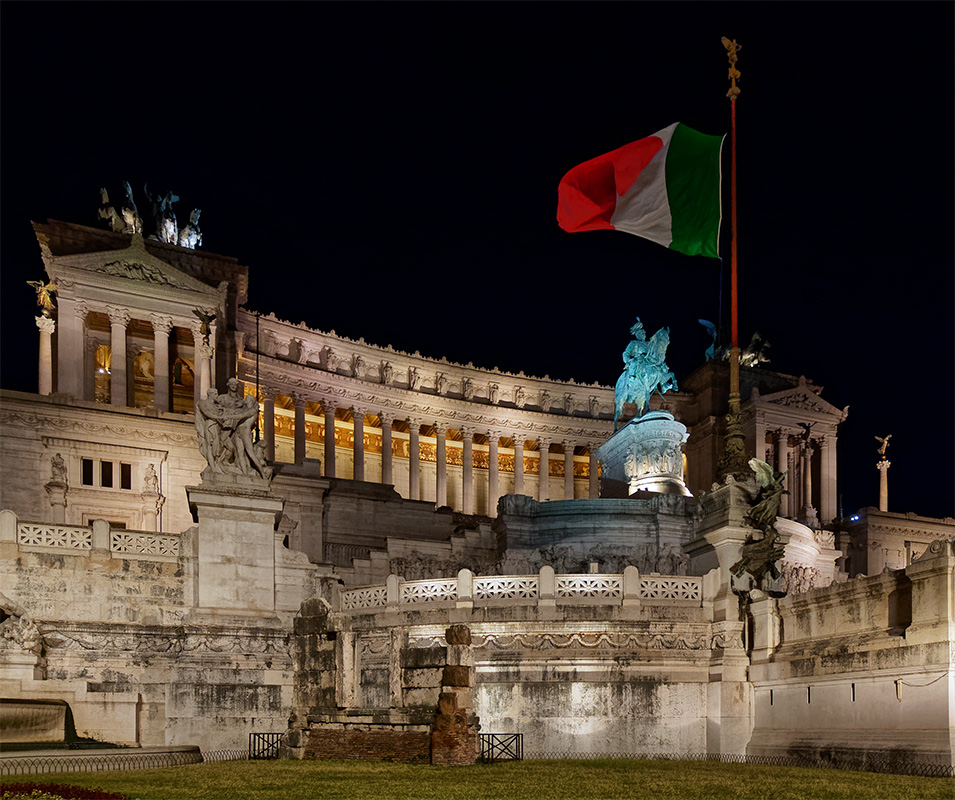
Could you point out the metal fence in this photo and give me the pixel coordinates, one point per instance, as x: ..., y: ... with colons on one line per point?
x: 831, y: 761
x: 264, y: 745
x: 501, y: 746
x: 99, y: 762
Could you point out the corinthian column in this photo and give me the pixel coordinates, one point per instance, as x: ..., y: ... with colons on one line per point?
x: 543, y: 487
x: 358, y: 451
x: 493, y: 473
x: 46, y: 326
x: 268, y: 423
x: 162, y: 325
x: 329, y: 470
x: 782, y: 464
x: 568, y: 469
x: 518, y: 440
x: 298, y: 401
x: 387, y: 451
x: 414, y: 459
x: 467, y: 470
x: 441, y: 464
x: 593, y: 487
x: 118, y: 320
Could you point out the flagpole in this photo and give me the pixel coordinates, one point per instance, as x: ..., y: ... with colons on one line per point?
x: 734, y: 444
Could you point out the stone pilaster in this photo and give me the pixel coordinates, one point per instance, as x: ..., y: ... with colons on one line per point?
x: 414, y: 458
x: 781, y: 445
x: 118, y: 320
x: 298, y: 402
x: 268, y: 422
x: 329, y: 466
x: 387, y: 449
x: 358, y: 451
x: 441, y: 464
x: 883, y: 467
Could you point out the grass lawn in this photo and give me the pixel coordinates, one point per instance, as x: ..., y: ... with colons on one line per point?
x: 535, y: 780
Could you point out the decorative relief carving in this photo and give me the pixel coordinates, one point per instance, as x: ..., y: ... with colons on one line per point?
x: 440, y: 384
x: 493, y: 393
x: 372, y: 597
x: 67, y: 537
x: 590, y: 641
x: 520, y: 397
x: 144, y: 544
x: 165, y: 642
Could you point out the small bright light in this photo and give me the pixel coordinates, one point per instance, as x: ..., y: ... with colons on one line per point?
x: 853, y: 519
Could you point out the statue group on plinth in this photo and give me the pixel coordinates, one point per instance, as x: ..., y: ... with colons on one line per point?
x: 224, y: 425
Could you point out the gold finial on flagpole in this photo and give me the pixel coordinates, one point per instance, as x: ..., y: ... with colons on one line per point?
x: 731, y: 49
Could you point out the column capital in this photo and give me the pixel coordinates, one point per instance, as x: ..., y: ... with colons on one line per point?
x: 569, y: 444
x: 441, y: 428
x: 519, y: 439
x: 544, y: 443
x: 467, y: 431
x: 204, y: 350
x: 298, y: 399
x: 329, y: 406
x: 161, y: 323
x: 81, y: 310
x: 414, y: 423
x: 387, y: 418
x: 493, y: 435
x: 358, y: 412
x: 45, y: 324
x: 882, y: 466
x: 118, y: 315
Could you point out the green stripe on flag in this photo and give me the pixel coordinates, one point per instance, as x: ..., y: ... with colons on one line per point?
x: 693, y: 191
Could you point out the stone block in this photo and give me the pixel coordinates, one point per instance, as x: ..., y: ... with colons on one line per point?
x: 421, y: 657
x: 456, y: 676
x: 422, y: 678
x: 458, y: 635
x: 420, y: 698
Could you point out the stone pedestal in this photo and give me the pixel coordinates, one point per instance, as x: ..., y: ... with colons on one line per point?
x: 646, y: 454
x: 235, y: 572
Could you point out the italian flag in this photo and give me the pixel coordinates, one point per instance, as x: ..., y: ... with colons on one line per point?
x: 665, y: 188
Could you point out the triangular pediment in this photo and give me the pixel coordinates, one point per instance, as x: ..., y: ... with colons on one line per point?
x: 134, y: 263
x: 802, y: 398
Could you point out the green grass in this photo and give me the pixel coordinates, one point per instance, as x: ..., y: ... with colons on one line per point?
x: 534, y: 780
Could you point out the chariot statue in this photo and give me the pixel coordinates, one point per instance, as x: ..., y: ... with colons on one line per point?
x: 644, y: 371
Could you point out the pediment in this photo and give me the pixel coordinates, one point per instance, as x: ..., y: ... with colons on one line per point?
x: 134, y: 263
x: 801, y: 398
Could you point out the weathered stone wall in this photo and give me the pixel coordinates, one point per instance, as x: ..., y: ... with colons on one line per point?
x: 863, y: 669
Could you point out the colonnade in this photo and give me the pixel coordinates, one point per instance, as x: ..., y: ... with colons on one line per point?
x: 794, y: 455
x: 415, y: 490
x: 75, y: 361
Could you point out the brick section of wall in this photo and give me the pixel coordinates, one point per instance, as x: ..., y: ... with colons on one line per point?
x: 389, y: 744
x: 455, y: 727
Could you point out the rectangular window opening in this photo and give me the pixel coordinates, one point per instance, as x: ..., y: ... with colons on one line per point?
x: 125, y: 476
x: 106, y: 473
x: 853, y: 693
x: 87, y: 471
x: 808, y: 694
x: 770, y: 696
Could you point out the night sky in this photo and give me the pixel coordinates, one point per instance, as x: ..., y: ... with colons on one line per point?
x: 390, y: 172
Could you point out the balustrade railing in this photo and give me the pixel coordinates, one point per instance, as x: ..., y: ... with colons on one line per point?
x: 467, y: 590
x: 98, y: 535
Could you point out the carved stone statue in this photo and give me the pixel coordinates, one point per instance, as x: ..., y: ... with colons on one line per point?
x: 467, y: 389
x: 754, y: 353
x: 387, y: 373
x: 151, y: 480
x: 712, y: 352
x: 414, y: 379
x: 44, y: 296
x: 205, y: 323
x: 224, y: 427
x: 17, y: 629
x: 594, y: 405
x: 520, y: 397
x: 493, y: 393
x: 645, y: 371
x: 440, y: 383
x: 58, y: 469
x: 885, y: 445
x: 759, y: 556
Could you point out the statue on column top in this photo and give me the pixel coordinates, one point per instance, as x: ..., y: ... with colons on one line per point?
x: 44, y: 296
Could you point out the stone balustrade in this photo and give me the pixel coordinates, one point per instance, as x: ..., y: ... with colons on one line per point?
x: 85, y: 539
x: 467, y: 590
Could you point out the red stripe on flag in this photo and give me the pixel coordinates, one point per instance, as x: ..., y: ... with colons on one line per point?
x: 587, y: 195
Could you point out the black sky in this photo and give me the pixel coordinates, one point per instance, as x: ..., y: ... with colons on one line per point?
x: 390, y: 171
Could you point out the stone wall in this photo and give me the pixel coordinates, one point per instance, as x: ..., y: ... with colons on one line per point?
x: 862, y: 669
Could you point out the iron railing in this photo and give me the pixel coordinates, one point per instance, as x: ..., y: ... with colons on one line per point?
x: 35, y: 764
x: 831, y: 761
x: 501, y: 746
x: 264, y: 745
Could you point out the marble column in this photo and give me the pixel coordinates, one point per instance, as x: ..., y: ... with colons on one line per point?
x: 782, y: 464
x: 205, y: 353
x: 358, y: 447
x: 441, y: 464
x: 162, y: 325
x: 268, y: 423
x: 298, y: 402
x: 493, y: 473
x: 329, y: 470
x: 518, y: 440
x: 543, y: 487
x: 828, y: 496
x: 883, y: 467
x: 593, y: 487
x: 118, y: 320
x: 568, y: 469
x: 414, y: 459
x: 46, y: 326
x: 387, y: 449
x: 467, y: 470
x: 89, y: 369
